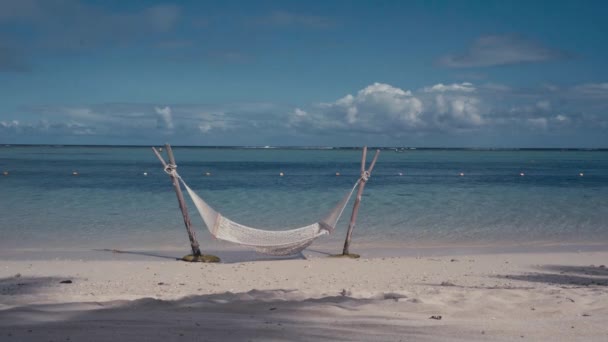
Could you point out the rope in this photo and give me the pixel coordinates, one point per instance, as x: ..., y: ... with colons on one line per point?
x: 365, y: 176
x: 349, y: 197
x: 170, y: 169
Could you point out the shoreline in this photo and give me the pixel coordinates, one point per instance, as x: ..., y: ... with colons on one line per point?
x: 232, y: 253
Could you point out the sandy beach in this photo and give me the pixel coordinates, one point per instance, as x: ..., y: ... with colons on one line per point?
x: 544, y: 296
x: 460, y: 148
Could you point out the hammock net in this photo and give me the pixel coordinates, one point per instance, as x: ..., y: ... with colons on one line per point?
x: 283, y: 242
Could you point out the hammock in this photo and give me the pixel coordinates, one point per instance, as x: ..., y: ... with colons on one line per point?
x: 284, y: 242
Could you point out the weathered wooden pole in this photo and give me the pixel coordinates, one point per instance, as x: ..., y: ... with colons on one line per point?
x: 353, y: 218
x: 196, y: 251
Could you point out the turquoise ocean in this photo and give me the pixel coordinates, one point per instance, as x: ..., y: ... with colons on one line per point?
x: 415, y: 198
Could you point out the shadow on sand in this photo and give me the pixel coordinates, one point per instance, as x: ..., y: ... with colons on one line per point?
x: 565, y: 275
x: 18, y: 285
x: 227, y: 257
x: 141, y: 253
x: 275, y: 315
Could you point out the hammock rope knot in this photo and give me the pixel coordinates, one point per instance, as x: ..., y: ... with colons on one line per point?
x: 170, y: 169
x: 365, y: 176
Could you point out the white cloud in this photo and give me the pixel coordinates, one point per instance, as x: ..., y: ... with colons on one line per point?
x: 461, y: 111
x: 440, y: 88
x: 204, y: 127
x: 456, y: 111
x: 46, y: 127
x: 165, y: 119
x: 538, y: 122
x: 214, y: 121
x: 372, y: 108
x: 9, y: 124
x: 501, y: 50
x: 454, y: 106
x: 449, y: 108
x: 299, y: 113
x: 284, y: 19
x: 384, y: 108
x: 550, y: 87
x: 380, y: 110
x: 382, y: 88
x: 592, y: 90
x: 543, y: 104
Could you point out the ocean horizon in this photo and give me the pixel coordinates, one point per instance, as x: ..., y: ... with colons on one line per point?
x: 314, y: 147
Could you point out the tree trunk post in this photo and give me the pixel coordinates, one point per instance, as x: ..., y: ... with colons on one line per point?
x: 196, y: 252
x: 353, y: 218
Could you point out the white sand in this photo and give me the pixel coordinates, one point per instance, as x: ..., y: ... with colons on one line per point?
x: 505, y: 297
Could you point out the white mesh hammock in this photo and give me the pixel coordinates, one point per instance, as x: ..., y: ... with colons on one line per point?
x: 283, y: 242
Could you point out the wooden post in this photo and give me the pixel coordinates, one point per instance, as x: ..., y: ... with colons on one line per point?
x: 353, y: 217
x: 196, y: 252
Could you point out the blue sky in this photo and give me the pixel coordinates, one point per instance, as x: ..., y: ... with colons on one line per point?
x: 393, y: 73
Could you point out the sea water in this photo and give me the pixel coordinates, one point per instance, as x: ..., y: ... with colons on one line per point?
x: 121, y: 198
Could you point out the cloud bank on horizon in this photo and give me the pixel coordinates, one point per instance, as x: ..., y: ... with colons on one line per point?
x: 82, y: 72
x: 378, y: 112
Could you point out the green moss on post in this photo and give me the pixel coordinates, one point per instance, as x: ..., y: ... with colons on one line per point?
x: 206, y: 258
x: 347, y: 255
